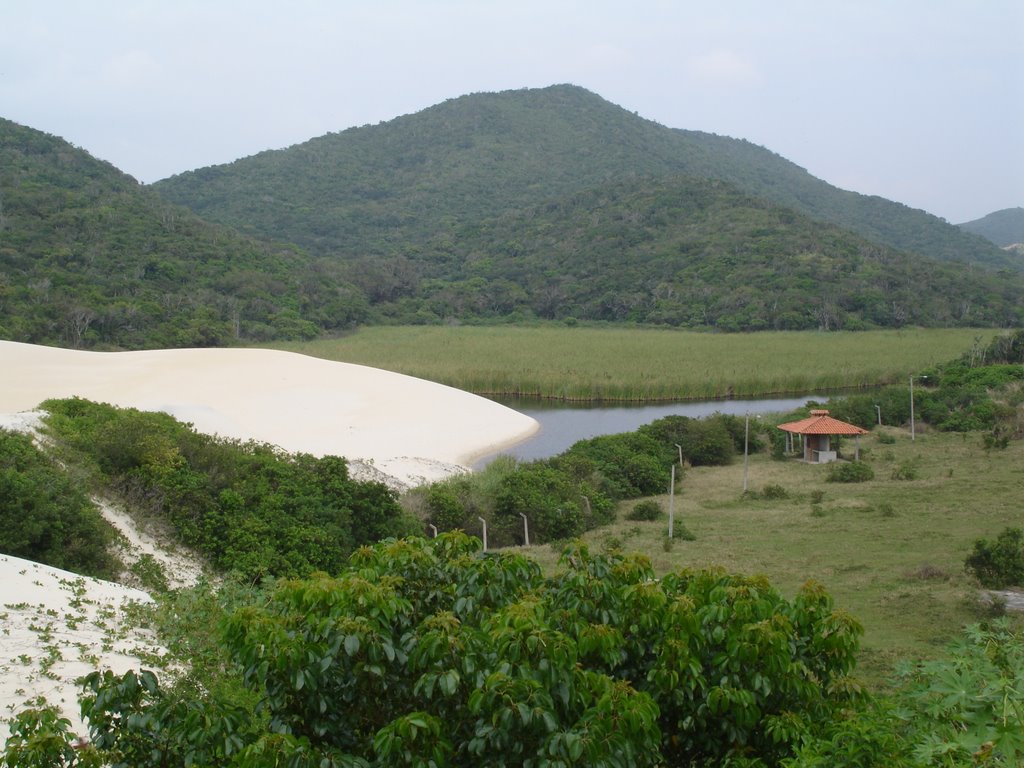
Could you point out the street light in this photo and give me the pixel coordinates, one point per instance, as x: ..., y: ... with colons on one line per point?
x: 879, y: 409
x: 671, y: 501
x: 746, y: 449
x: 680, y: 455
x: 912, y: 434
x: 526, y: 530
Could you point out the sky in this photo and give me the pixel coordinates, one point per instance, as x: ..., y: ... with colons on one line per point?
x: 919, y: 101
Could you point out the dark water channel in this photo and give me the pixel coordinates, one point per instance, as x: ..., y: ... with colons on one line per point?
x: 562, y: 424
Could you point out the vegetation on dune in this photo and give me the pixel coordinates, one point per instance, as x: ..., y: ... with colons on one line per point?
x: 609, y: 363
x: 416, y: 652
x: 89, y: 258
x: 429, y: 653
x: 45, y: 515
x: 249, y: 508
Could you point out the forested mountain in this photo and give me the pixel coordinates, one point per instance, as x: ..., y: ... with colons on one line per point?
x: 1005, y: 227
x: 682, y: 252
x: 89, y: 257
x: 545, y: 203
x: 386, y: 189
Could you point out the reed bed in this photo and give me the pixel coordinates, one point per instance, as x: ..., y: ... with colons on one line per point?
x: 636, y: 364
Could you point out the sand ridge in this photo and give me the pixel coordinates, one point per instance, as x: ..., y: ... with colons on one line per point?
x: 419, y: 429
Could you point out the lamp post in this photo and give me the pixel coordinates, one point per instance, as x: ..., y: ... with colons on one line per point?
x: 746, y: 449
x: 526, y: 529
x: 680, y: 455
x: 484, y: 524
x: 433, y: 529
x: 879, y: 409
x: 671, y: 501
x: 912, y: 432
x: 912, y: 437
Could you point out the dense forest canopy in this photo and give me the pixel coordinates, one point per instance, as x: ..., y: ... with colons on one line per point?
x: 384, y: 189
x: 683, y: 252
x: 1003, y: 228
x: 526, y: 205
x: 88, y: 257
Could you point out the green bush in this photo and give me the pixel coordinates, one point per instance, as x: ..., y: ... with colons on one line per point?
x: 849, y: 472
x: 999, y: 564
x: 774, y: 492
x: 906, y: 470
x: 248, y: 507
x: 446, y: 509
x: 46, y: 517
x: 429, y: 652
x: 645, y: 510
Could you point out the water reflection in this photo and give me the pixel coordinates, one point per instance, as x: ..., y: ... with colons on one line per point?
x: 562, y: 424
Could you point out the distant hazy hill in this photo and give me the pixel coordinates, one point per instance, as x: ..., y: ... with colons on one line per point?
x: 1003, y: 228
x: 88, y: 257
x: 387, y: 189
x: 683, y: 252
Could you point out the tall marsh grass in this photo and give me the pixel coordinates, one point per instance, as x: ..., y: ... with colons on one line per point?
x: 633, y: 364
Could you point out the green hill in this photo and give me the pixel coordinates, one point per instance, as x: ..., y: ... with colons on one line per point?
x: 1004, y: 228
x: 683, y: 252
x: 88, y: 257
x: 386, y: 189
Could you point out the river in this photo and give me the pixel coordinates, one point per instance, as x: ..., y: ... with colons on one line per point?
x: 561, y: 424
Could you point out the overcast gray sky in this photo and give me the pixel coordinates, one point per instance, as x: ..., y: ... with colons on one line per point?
x: 920, y: 101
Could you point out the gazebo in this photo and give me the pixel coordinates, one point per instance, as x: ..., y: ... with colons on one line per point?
x: 816, y: 433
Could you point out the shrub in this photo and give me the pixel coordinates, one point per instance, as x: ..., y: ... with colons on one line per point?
x: 774, y: 492
x: 683, y: 533
x: 907, y: 470
x: 886, y: 439
x: 645, y: 510
x: 45, y: 516
x: 632, y: 463
x: 249, y: 507
x: 849, y: 472
x: 446, y: 509
x: 999, y: 564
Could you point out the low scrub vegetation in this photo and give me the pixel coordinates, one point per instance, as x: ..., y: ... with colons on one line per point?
x: 247, y: 507
x: 45, y: 515
x: 999, y: 564
x: 849, y: 472
x: 578, y: 489
x: 423, y: 653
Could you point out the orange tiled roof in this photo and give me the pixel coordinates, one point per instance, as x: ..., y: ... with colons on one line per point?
x: 820, y: 423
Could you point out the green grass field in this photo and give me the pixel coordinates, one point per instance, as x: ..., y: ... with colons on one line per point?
x: 890, y: 551
x: 643, y: 364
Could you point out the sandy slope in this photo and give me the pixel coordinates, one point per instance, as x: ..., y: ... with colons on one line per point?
x: 57, y: 626
x: 411, y: 429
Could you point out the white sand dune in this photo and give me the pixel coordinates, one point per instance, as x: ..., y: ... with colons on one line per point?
x: 56, y: 625
x: 411, y: 429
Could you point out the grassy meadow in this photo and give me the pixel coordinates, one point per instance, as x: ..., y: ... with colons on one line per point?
x: 635, y: 364
x: 890, y: 551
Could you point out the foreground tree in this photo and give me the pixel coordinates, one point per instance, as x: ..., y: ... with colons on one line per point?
x: 434, y: 653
